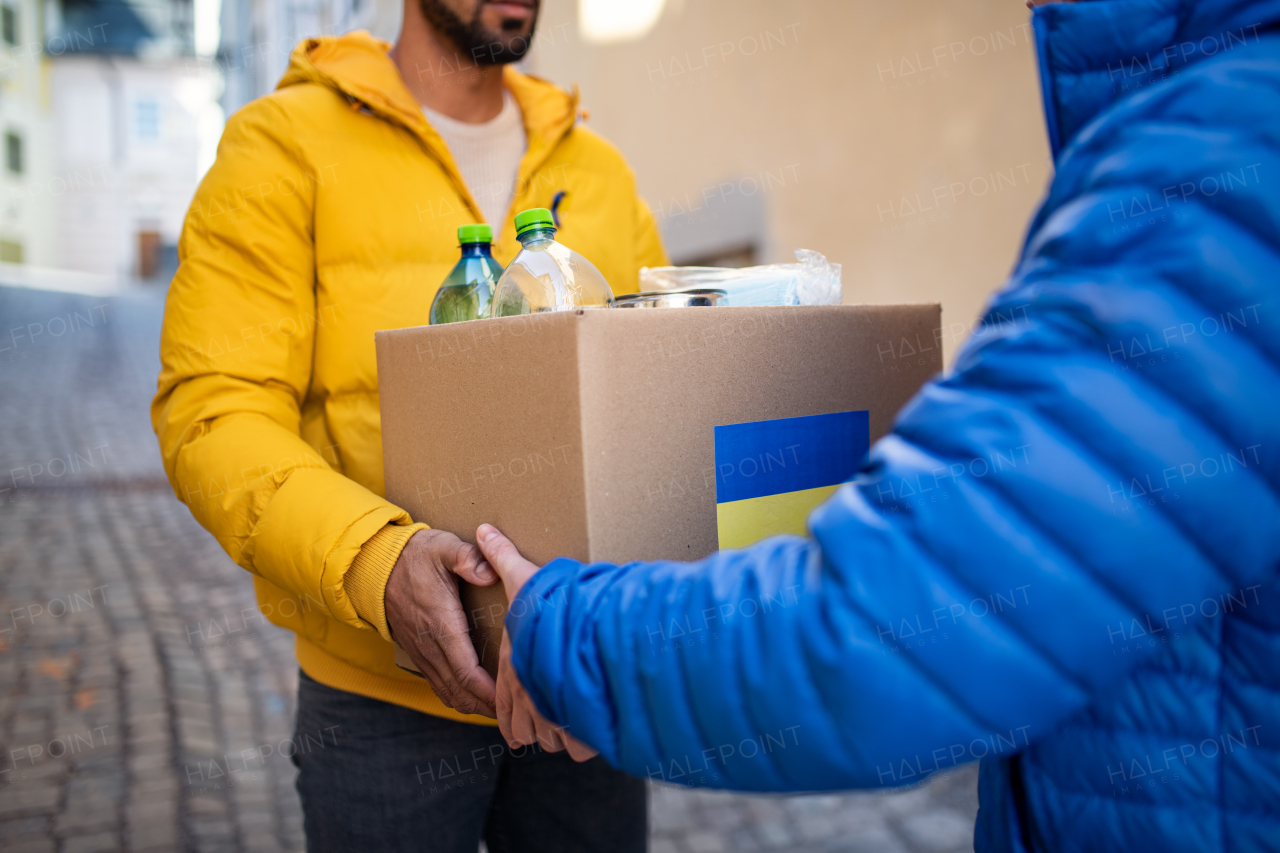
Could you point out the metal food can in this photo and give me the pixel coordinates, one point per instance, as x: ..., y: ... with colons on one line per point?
x: 690, y: 298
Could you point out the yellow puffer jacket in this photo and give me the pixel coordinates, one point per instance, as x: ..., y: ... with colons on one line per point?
x: 331, y: 213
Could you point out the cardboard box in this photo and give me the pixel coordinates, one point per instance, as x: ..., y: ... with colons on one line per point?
x: 608, y: 435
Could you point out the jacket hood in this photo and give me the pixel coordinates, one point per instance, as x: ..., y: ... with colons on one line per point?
x: 1095, y: 53
x: 357, y: 66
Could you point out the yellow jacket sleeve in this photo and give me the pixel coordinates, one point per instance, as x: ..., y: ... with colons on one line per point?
x: 236, y: 360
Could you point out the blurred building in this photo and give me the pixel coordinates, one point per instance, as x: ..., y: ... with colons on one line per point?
x: 259, y: 35
x: 27, y: 207
x: 129, y: 99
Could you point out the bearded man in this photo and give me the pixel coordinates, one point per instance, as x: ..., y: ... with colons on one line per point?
x: 331, y: 213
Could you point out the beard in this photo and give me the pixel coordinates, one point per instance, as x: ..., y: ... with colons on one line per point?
x: 485, y: 46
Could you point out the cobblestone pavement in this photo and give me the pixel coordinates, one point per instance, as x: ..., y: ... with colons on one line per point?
x: 136, y: 673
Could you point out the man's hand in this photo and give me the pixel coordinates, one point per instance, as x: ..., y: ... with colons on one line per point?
x: 427, y: 620
x: 518, y: 718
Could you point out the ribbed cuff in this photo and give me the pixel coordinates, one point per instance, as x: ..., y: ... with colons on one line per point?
x: 366, y: 580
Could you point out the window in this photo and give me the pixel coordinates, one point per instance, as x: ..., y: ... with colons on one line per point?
x: 146, y: 120
x: 13, y: 152
x: 9, y: 25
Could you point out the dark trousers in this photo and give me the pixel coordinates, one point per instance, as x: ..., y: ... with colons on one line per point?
x: 376, y: 776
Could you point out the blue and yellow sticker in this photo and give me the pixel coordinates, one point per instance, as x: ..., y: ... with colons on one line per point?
x: 771, y: 474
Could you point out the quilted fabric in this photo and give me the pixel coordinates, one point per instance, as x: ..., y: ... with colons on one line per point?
x: 1063, y: 560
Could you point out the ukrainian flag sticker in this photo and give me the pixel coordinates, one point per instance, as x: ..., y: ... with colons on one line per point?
x: 771, y: 474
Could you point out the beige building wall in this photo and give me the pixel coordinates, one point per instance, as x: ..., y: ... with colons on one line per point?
x: 129, y: 151
x: 903, y: 140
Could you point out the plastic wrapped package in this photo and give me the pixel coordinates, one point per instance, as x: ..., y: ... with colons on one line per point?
x: 812, y: 281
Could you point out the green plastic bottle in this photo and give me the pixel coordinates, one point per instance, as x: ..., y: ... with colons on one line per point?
x: 467, y: 291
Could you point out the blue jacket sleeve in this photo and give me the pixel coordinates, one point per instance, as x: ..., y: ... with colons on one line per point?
x: 1101, y: 461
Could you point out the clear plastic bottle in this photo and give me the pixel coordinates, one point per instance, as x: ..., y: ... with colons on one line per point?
x: 546, y: 275
x: 467, y: 292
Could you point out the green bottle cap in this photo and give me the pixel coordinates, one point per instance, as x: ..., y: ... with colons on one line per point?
x: 475, y: 234
x: 538, y: 217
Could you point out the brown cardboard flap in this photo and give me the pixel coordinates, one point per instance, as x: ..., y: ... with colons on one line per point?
x: 403, y: 661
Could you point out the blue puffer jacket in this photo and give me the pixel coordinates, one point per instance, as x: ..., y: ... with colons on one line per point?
x: 1064, y: 559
